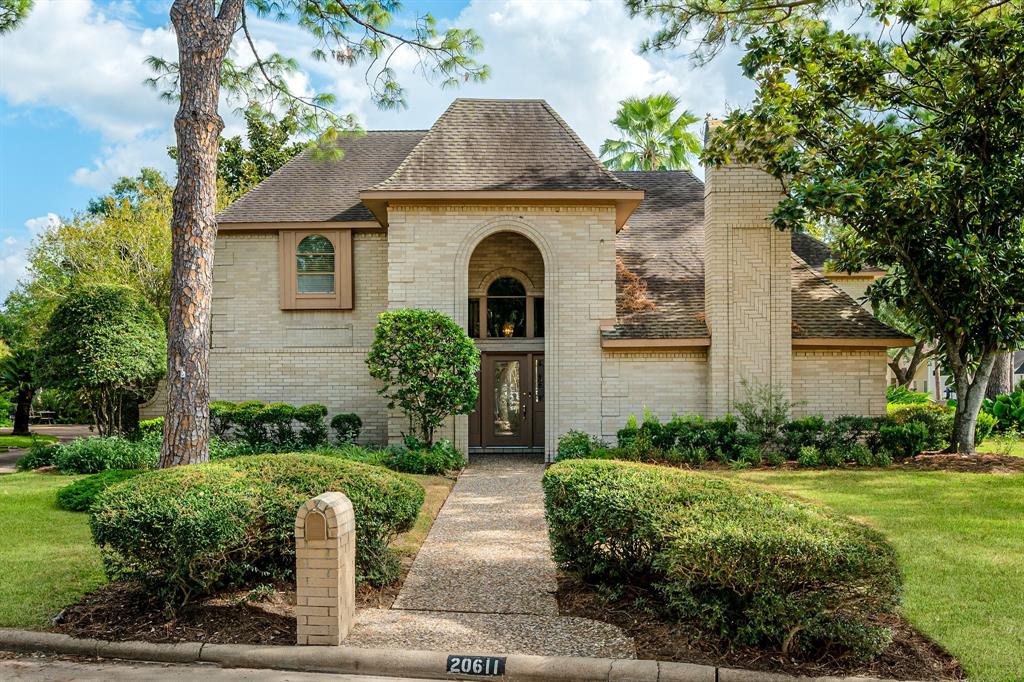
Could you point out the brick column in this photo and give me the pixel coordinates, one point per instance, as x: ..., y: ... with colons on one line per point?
x: 325, y: 569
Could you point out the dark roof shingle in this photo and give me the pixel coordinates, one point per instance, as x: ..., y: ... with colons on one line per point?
x: 518, y: 145
x: 308, y: 190
x: 663, y: 244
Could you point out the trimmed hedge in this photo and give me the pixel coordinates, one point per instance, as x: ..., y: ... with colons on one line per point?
x: 750, y: 566
x: 188, y: 531
x: 80, y: 495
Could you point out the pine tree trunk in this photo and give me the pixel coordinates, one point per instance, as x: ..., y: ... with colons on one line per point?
x: 203, y: 40
x: 1001, y: 380
x: 22, y: 412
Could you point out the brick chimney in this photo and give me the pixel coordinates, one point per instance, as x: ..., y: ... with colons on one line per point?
x: 747, y: 290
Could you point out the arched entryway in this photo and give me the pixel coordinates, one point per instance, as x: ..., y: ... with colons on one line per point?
x: 506, y: 318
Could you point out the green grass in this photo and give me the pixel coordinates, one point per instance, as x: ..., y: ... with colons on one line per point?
x: 47, y: 559
x: 960, y: 542
x: 1003, y: 445
x: 24, y: 441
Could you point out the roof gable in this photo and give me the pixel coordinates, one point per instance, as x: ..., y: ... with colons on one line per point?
x: 500, y: 145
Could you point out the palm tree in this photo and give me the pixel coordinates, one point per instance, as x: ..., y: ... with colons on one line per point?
x: 16, y: 375
x: 653, y: 138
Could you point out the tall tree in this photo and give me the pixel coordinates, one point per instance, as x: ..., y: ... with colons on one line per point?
x: 652, y: 136
x: 271, y: 144
x: 348, y: 32
x: 913, y: 142
x: 906, y: 362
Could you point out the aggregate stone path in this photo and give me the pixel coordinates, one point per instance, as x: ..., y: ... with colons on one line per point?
x: 484, y: 578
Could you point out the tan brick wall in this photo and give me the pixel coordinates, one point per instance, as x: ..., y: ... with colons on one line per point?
x: 261, y: 352
x: 430, y: 248
x: 855, y: 288
x: 747, y: 285
x: 506, y: 253
x: 834, y: 383
x: 666, y: 383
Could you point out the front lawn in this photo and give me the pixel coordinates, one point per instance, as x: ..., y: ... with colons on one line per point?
x: 24, y: 441
x: 1003, y: 445
x: 48, y: 560
x: 960, y: 541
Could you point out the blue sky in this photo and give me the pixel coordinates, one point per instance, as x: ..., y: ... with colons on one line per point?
x: 75, y: 116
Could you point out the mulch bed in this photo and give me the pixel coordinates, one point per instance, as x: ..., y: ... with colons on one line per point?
x: 911, y: 656
x: 125, y: 612
x: 980, y: 463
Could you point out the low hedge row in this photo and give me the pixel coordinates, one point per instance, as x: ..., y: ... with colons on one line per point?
x: 80, y: 495
x: 703, y: 545
x: 188, y: 531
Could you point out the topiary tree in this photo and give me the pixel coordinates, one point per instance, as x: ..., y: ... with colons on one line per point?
x: 108, y: 343
x: 428, y: 366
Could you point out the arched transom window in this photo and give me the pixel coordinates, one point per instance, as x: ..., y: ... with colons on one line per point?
x: 507, y: 312
x: 314, y: 265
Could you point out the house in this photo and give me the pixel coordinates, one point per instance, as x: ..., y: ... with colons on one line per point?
x: 592, y: 295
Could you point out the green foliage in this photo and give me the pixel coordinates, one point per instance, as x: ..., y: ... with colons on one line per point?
x: 91, y: 455
x: 809, y: 456
x: 575, y: 444
x: 903, y: 440
x: 108, y: 343
x: 700, y: 544
x: 151, y: 428
x: 221, y: 417
x: 895, y: 139
x: 80, y: 495
x: 277, y: 420
x: 187, y: 531
x: 1007, y: 410
x: 902, y: 395
x: 439, y: 459
x: 346, y: 427
x: 40, y: 454
x: 653, y: 137
x: 249, y: 417
x: 427, y: 365
x: 313, y: 431
x: 12, y: 13
x: 270, y: 146
x: 937, y: 420
x: 764, y: 411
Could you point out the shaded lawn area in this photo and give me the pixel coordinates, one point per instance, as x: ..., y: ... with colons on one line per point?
x: 24, y: 441
x: 1003, y: 445
x: 960, y: 541
x: 47, y: 559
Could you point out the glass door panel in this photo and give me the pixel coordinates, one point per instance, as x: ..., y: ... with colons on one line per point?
x: 508, y: 407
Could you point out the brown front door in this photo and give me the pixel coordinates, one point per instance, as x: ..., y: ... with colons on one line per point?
x: 508, y: 413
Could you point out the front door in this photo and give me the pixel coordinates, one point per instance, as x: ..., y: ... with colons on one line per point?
x: 510, y: 407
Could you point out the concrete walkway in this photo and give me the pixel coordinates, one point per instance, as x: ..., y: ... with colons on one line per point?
x: 63, y: 433
x: 484, y: 578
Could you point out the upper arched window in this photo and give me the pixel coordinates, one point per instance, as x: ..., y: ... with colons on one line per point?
x: 506, y: 308
x: 314, y: 265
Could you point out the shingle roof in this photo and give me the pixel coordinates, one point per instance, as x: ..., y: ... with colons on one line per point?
x: 816, y: 253
x: 482, y: 144
x: 305, y: 189
x: 663, y: 244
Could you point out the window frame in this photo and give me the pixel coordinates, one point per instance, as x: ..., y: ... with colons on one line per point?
x: 291, y: 299
x: 481, y: 309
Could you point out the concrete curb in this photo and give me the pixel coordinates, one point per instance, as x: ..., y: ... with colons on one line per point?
x: 391, y: 662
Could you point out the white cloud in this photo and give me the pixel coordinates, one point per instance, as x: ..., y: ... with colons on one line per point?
x: 37, y: 226
x: 10, y: 241
x: 13, y: 267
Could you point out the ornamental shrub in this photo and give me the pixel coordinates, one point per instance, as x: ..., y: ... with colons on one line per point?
x: 809, y: 456
x: 149, y: 428
x: 221, y: 417
x: 1007, y: 411
x: 80, y: 495
x: 313, y: 431
x: 764, y: 411
x: 428, y: 366
x: 801, y: 432
x: 249, y: 417
x: 92, y: 455
x: 903, y: 440
x: 903, y: 395
x: 276, y: 419
x: 346, y: 427
x: 40, y: 454
x: 937, y: 420
x: 188, y: 531
x: 439, y: 459
x: 701, y: 543
x: 575, y: 444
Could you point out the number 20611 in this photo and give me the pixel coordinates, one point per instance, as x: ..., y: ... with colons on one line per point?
x: 477, y: 665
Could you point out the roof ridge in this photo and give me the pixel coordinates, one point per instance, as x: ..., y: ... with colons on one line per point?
x: 576, y: 138
x: 415, y: 147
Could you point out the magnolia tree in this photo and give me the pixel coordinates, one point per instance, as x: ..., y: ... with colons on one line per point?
x: 428, y: 367
x: 911, y: 144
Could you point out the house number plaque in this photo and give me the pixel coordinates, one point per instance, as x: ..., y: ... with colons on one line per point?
x: 484, y: 666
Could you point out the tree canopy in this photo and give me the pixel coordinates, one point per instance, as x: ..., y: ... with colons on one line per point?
x: 652, y: 136
x: 912, y: 146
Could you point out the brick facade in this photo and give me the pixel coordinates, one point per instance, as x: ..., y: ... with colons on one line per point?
x: 834, y: 383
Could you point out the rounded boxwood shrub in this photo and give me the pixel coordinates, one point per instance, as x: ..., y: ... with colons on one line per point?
x: 190, y: 530
x: 750, y: 566
x: 80, y: 495
x: 346, y: 427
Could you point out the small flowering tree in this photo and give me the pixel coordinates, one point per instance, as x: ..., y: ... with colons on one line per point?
x: 428, y: 366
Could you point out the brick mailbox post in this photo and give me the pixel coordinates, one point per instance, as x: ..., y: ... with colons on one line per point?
x: 325, y: 569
